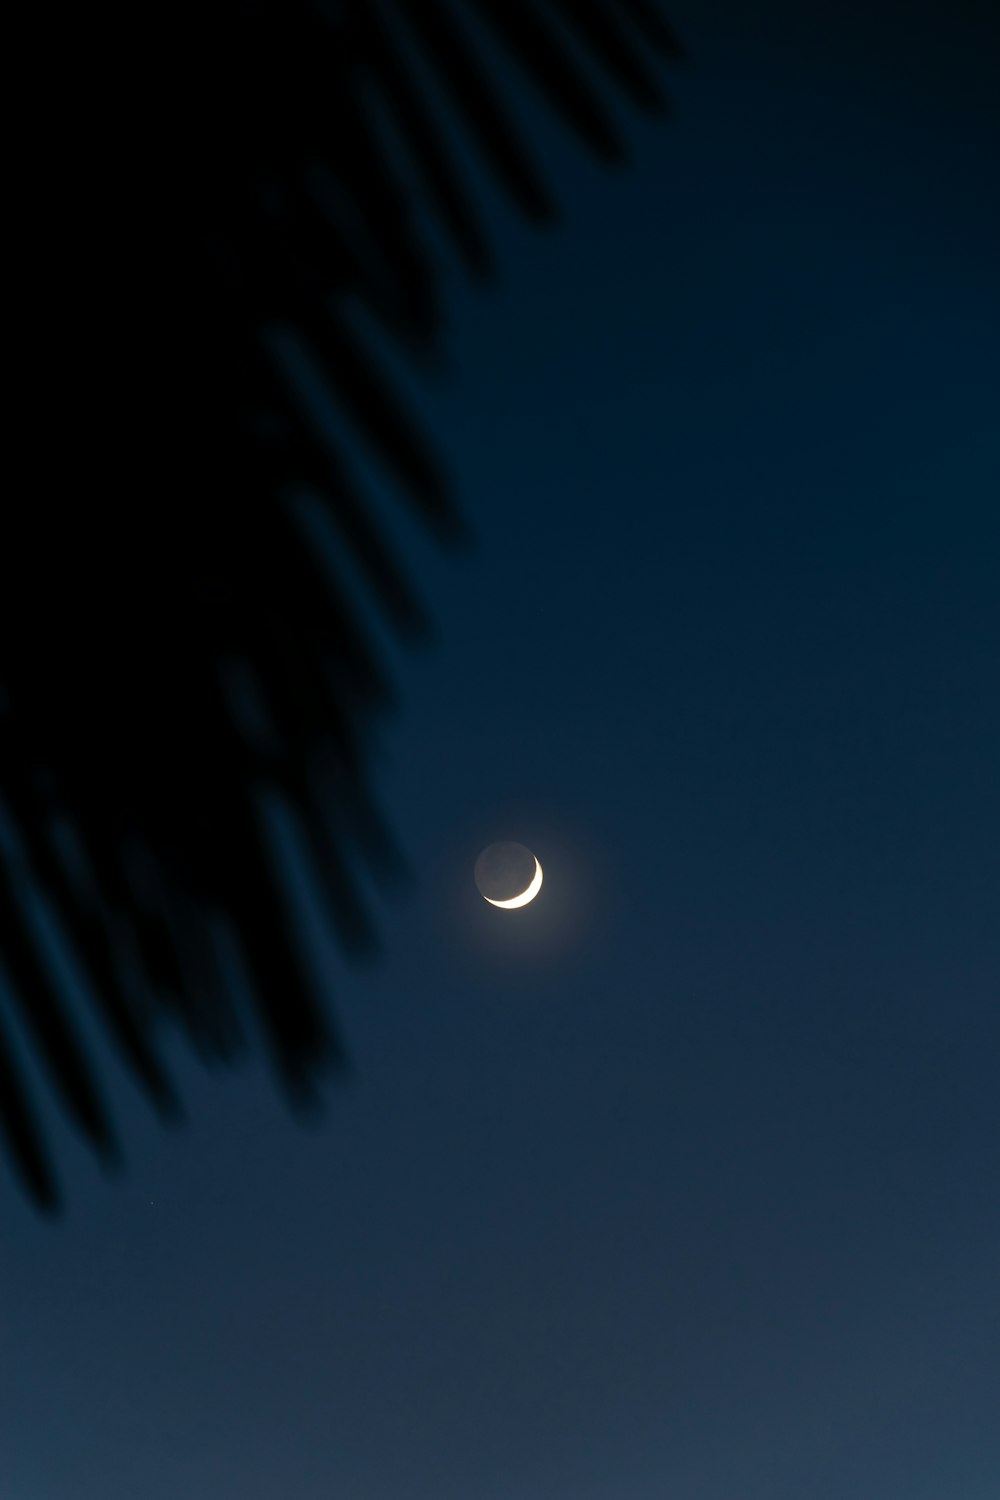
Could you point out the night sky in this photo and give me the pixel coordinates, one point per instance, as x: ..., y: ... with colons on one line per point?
x: 683, y: 1181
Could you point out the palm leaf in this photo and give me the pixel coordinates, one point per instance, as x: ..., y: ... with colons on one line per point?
x: 171, y: 647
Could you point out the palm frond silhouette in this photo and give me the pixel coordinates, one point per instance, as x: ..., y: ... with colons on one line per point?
x: 170, y: 644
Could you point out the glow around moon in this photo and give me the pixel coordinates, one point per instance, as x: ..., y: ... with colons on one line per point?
x: 508, y: 875
x: 525, y: 896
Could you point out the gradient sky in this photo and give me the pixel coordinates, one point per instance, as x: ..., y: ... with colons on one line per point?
x: 683, y: 1181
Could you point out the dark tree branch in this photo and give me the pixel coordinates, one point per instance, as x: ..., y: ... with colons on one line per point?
x: 171, y: 644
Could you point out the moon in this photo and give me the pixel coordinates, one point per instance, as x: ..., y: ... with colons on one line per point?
x: 508, y: 875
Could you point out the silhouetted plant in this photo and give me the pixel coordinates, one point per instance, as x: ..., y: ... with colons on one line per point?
x: 229, y: 184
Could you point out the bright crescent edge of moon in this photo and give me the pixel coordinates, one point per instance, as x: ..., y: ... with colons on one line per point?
x: 526, y: 895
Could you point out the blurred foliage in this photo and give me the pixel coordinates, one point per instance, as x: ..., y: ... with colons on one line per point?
x: 203, y: 190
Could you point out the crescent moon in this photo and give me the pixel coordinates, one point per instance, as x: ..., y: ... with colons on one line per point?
x: 526, y: 895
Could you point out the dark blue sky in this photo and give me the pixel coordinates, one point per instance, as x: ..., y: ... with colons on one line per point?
x: 684, y: 1180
